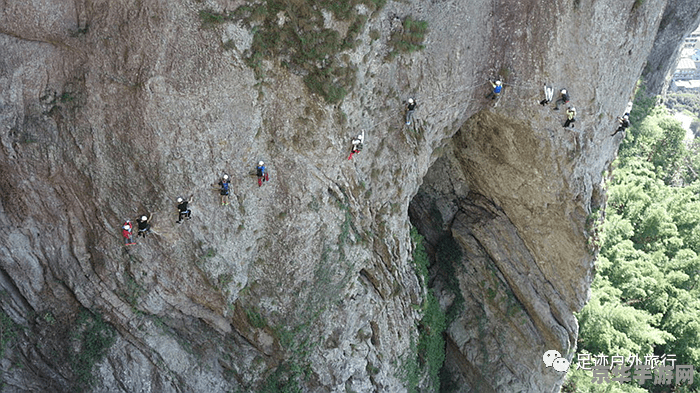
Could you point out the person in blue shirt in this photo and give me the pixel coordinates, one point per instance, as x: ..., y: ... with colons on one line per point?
x: 225, y: 184
x: 262, y: 173
x: 497, y: 87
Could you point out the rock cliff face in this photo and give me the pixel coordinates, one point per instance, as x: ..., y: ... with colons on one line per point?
x: 680, y: 19
x: 111, y: 110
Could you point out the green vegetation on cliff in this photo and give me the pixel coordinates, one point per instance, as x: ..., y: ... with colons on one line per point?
x: 8, y: 332
x: 90, y: 340
x: 430, y: 352
x: 409, y: 38
x: 297, y: 33
x: 646, y: 297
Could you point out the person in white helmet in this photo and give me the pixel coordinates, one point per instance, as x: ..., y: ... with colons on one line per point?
x: 224, y: 185
x: 563, y: 99
x: 144, y: 226
x: 262, y: 173
x: 410, y: 109
x: 497, y: 88
x: 570, y: 117
x: 127, y: 233
x: 624, y: 123
x: 357, y: 144
x: 183, y: 210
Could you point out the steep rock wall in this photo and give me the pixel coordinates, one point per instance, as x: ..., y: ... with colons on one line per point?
x: 680, y: 19
x: 507, y: 210
x: 113, y: 109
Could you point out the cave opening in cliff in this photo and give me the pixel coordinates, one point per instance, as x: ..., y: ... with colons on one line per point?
x: 433, y: 213
x: 474, y: 251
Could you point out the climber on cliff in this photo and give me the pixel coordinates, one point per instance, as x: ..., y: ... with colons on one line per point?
x: 224, y: 185
x: 563, y: 99
x: 357, y: 144
x: 570, y: 117
x: 143, y: 224
x: 624, y: 123
x: 410, y: 109
x: 548, y: 94
x: 127, y: 233
x: 183, y: 210
x: 497, y: 87
x: 262, y: 173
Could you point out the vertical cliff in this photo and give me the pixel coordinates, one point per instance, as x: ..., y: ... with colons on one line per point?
x: 111, y: 110
x: 680, y: 18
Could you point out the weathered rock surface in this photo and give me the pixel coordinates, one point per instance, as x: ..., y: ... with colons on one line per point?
x: 680, y: 19
x: 110, y: 110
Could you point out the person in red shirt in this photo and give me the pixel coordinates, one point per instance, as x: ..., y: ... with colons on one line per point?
x: 127, y: 233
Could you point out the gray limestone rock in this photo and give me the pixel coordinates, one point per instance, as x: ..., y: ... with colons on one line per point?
x: 111, y: 110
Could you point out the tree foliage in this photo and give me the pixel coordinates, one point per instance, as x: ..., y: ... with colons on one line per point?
x: 658, y: 140
x: 645, y: 296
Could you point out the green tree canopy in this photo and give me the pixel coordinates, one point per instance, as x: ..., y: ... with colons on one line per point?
x: 646, y: 296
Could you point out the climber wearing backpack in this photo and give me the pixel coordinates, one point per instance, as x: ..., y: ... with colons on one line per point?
x: 410, y: 109
x: 357, y: 144
x: 563, y: 99
x: 497, y: 87
x: 183, y: 210
x: 224, y: 184
x: 570, y: 117
x: 127, y: 233
x: 624, y: 123
x: 262, y: 173
x: 143, y: 224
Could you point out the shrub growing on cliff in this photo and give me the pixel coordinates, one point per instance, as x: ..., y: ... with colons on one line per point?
x: 211, y: 18
x: 431, y: 344
x: 8, y: 331
x: 285, y: 379
x: 448, y: 255
x: 420, y: 257
x: 255, y: 318
x: 409, y: 39
x: 294, y: 32
x: 91, y: 339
